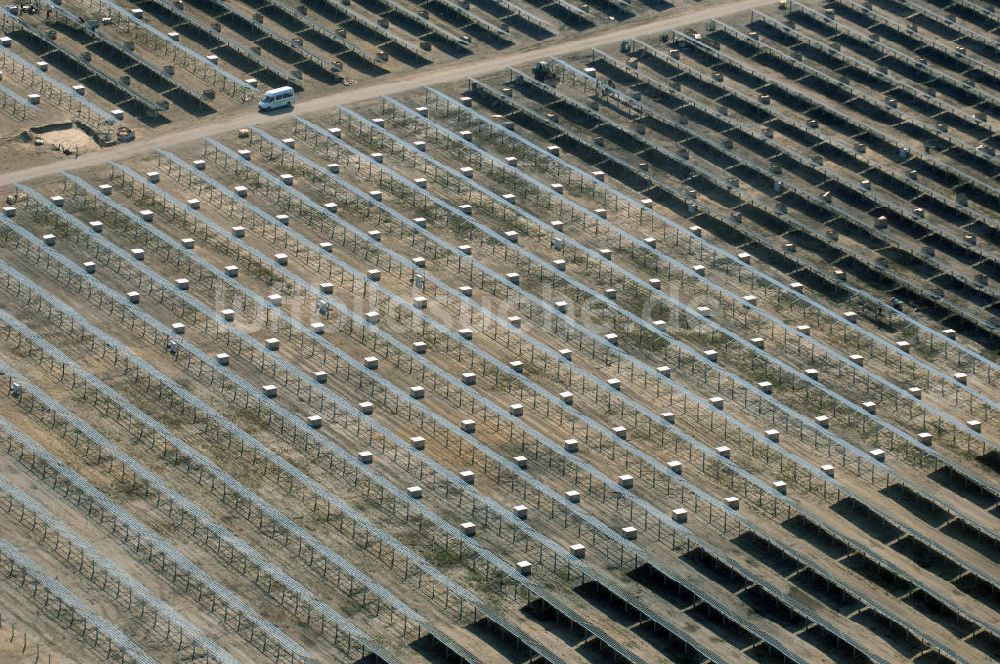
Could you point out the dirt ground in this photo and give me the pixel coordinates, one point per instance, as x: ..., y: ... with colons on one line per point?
x: 450, y: 369
x: 72, y: 140
x: 29, y: 637
x: 553, y: 527
x: 59, y: 148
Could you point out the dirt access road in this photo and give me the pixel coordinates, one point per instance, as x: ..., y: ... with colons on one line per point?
x: 375, y: 88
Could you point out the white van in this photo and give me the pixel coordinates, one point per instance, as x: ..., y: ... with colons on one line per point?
x: 277, y: 98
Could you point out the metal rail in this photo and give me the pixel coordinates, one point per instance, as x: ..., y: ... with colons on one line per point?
x: 932, y: 500
x: 462, y: 594
x: 838, y: 55
x: 16, y: 105
x: 249, y: 554
x: 490, y: 363
x: 402, y: 145
x: 261, y: 509
x: 437, y: 169
x: 151, y: 106
x: 471, y: 147
x: 341, y: 406
x: 235, y: 543
x: 497, y: 366
x: 492, y: 411
x: 648, y: 508
x: 77, y: 23
x: 901, y: 57
x: 249, y: 345
x: 402, y: 349
x: 446, y: 426
x: 691, y: 353
x: 975, y: 64
x: 232, y: 85
x: 247, y: 442
x: 44, y: 589
x: 817, y: 45
x: 58, y: 93
x: 827, y: 351
x: 805, y: 562
x: 279, y: 73
x: 551, y: 162
x: 274, y: 639
x: 518, y: 293
x: 112, y: 579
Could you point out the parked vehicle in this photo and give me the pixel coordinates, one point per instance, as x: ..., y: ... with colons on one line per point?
x: 277, y: 98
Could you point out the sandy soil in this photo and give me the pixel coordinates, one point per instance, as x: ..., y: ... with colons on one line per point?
x: 457, y: 466
x: 73, y: 140
x: 553, y: 527
x: 29, y: 637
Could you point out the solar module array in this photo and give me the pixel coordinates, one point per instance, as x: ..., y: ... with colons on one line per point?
x: 108, y: 65
x: 679, y: 350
